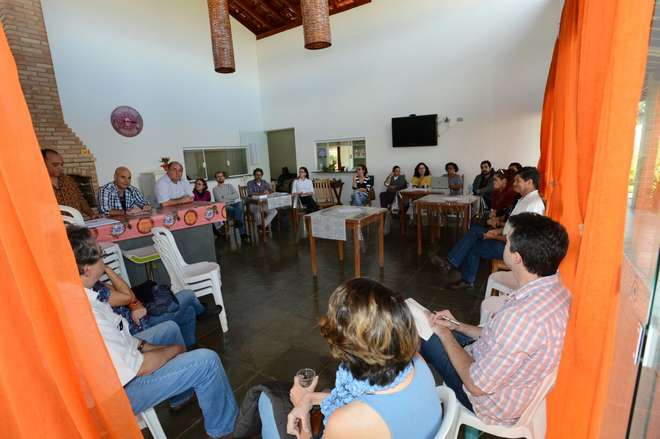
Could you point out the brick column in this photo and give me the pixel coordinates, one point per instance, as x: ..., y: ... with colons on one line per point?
x: 23, y: 23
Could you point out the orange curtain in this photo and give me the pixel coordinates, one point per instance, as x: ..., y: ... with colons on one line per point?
x: 56, y: 377
x: 587, y: 134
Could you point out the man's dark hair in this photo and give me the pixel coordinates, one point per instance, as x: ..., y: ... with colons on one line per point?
x: 220, y: 172
x: 452, y: 164
x: 46, y: 151
x: 254, y: 173
x: 84, y: 246
x: 541, y: 242
x: 530, y: 173
x: 486, y: 162
x: 395, y: 167
x: 516, y: 165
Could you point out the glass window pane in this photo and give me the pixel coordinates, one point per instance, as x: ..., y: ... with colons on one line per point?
x: 340, y: 155
x: 194, y: 163
x: 216, y: 160
x: 237, y: 161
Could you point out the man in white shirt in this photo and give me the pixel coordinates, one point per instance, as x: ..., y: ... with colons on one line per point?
x: 153, y: 365
x: 170, y: 189
x: 480, y: 242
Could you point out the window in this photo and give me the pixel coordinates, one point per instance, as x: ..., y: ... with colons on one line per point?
x: 340, y: 155
x: 205, y: 162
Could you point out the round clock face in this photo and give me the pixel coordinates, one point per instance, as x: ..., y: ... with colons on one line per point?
x: 126, y: 121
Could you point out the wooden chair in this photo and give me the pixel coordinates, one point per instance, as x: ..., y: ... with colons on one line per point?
x: 323, y: 193
x: 250, y: 220
x: 498, y: 265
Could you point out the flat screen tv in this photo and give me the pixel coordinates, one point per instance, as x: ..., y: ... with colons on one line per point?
x: 415, y: 130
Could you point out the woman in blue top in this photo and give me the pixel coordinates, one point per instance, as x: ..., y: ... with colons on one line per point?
x: 383, y: 388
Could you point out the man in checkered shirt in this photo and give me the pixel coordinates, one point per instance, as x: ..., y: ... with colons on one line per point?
x: 118, y: 197
x: 496, y: 370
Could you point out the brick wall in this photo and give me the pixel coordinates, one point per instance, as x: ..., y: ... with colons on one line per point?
x: 23, y: 23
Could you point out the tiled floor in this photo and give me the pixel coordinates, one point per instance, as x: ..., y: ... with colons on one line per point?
x: 273, y: 305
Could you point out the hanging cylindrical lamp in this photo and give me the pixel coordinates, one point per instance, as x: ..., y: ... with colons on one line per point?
x: 221, y: 42
x: 316, y: 24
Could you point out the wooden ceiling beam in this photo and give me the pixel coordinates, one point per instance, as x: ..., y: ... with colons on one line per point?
x: 298, y: 22
x: 294, y: 6
x: 247, y: 11
x: 264, y: 19
x: 276, y: 14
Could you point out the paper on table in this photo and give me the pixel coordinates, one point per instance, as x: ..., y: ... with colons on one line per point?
x: 421, y: 316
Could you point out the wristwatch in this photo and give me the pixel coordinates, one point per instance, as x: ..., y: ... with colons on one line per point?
x: 141, y: 345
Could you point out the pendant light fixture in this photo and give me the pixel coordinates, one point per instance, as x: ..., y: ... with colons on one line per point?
x: 221, y: 41
x: 316, y: 24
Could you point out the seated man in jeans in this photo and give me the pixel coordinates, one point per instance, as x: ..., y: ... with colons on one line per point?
x: 480, y: 242
x: 496, y: 370
x: 226, y: 193
x: 153, y: 365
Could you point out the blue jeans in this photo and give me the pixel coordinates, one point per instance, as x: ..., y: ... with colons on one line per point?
x: 467, y: 252
x: 268, y: 426
x: 434, y: 353
x: 359, y: 198
x: 200, y: 371
x: 185, y: 316
x: 235, y: 212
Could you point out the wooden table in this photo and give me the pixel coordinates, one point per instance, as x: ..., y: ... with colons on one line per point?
x: 410, y: 195
x: 190, y: 224
x: 182, y: 216
x: 442, y: 205
x: 354, y: 226
x: 263, y: 203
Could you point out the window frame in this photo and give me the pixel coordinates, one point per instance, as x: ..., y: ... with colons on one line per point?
x: 215, y: 148
x: 352, y: 141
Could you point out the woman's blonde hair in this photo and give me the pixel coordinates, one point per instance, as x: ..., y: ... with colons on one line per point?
x: 370, y: 330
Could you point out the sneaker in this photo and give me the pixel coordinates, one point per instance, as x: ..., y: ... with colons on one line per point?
x: 443, y: 264
x: 459, y: 285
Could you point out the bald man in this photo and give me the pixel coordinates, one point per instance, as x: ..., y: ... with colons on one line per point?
x: 118, y: 197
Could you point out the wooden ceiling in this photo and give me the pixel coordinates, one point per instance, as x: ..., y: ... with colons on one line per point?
x: 268, y: 17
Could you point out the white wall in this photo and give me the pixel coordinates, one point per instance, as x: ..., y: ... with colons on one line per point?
x: 155, y: 56
x: 484, y: 60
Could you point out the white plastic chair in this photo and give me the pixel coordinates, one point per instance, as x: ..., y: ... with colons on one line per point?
x: 531, y: 425
x: 150, y: 419
x: 449, y: 412
x: 502, y: 281
x: 71, y: 216
x: 113, y: 258
x: 202, y: 277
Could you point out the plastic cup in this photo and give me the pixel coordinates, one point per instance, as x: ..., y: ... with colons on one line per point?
x: 306, y: 376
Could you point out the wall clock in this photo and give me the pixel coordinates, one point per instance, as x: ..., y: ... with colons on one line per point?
x: 126, y: 121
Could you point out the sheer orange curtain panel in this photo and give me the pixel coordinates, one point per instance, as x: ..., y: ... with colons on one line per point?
x: 56, y: 377
x: 587, y: 134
